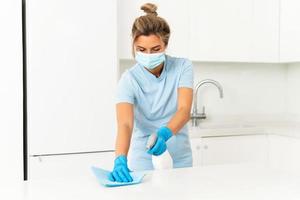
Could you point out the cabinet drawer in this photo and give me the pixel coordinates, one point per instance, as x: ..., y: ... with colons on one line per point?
x: 230, y: 149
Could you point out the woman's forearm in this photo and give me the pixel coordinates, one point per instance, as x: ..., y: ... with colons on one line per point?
x: 180, y: 118
x: 123, y: 140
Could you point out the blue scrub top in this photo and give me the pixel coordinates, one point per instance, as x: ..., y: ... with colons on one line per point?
x: 154, y: 98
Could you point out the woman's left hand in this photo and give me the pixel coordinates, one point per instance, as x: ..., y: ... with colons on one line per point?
x: 163, y: 134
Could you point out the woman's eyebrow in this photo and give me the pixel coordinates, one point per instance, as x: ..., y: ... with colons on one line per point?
x: 151, y: 47
x: 155, y: 46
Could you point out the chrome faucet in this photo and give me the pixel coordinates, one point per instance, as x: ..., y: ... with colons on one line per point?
x: 195, y: 116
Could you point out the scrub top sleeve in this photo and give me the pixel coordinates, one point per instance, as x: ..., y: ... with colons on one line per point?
x: 125, y: 92
x: 187, y: 75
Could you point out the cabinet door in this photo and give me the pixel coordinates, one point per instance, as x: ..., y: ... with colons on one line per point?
x: 289, y: 31
x: 72, y: 75
x: 234, y: 149
x: 11, y: 110
x: 265, y: 31
x: 68, y: 166
x: 284, y: 153
x: 175, y: 13
x: 234, y: 30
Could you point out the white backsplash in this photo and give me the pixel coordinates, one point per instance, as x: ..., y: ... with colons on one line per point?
x: 293, y: 90
x: 252, y: 91
x: 249, y: 89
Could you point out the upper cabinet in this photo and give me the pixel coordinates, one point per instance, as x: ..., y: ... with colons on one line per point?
x: 234, y: 30
x: 127, y: 11
x: 290, y: 31
x: 222, y: 31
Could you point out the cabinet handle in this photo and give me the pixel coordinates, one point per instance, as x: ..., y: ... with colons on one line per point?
x: 205, y: 147
x: 198, y: 147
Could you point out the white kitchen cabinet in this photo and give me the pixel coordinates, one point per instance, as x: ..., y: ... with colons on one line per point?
x: 68, y: 166
x: 284, y: 153
x: 11, y: 109
x: 175, y: 13
x: 230, y: 149
x: 72, y: 75
x: 234, y: 30
x: 289, y: 31
x: 265, y: 31
x: 229, y: 31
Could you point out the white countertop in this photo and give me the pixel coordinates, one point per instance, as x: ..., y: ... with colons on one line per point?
x: 208, y: 182
x: 284, y: 128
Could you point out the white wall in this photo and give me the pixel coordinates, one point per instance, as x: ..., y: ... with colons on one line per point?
x: 251, y: 91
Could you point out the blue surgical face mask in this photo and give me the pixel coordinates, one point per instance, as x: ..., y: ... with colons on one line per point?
x: 150, y: 60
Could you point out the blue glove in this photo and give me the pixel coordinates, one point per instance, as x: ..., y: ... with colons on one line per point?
x: 163, y: 134
x: 120, y: 172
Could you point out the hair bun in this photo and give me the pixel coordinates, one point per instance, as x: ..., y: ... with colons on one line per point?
x: 149, y: 9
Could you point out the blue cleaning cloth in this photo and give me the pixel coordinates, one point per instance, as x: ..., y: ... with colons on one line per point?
x: 102, y: 176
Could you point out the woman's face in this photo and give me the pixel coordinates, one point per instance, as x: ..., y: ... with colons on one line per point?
x: 149, y: 44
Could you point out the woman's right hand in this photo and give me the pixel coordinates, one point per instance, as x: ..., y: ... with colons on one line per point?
x: 120, y: 172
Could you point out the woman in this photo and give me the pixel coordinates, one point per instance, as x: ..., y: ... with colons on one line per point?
x: 154, y: 96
